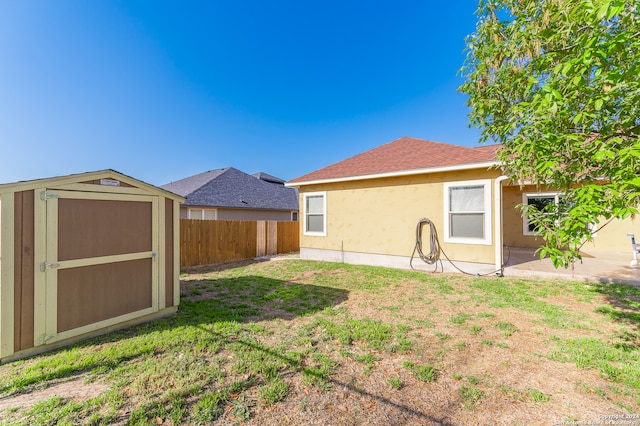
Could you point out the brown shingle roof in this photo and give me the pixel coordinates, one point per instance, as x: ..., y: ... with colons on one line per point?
x: 402, y: 154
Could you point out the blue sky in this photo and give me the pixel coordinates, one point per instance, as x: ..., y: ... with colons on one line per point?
x: 161, y: 90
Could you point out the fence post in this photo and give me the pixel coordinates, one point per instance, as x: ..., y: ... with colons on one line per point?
x: 261, y: 238
x: 272, y: 238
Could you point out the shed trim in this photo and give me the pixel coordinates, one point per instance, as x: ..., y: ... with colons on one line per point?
x: 87, y: 187
x: 52, y: 346
x: 6, y: 275
x: 39, y: 279
x: 63, y: 335
x: 176, y: 254
x: 51, y: 277
x: 162, y: 276
x: 101, y: 260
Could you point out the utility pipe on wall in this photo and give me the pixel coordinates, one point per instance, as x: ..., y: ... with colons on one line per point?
x: 497, y: 206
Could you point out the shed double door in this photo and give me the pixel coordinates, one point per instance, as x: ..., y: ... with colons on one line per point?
x: 100, y: 264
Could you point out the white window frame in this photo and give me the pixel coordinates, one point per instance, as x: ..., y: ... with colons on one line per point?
x: 488, y: 231
x: 191, y: 216
x: 556, y: 199
x: 324, y: 215
x: 525, y: 202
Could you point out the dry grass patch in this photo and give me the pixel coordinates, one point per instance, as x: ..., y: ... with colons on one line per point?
x: 298, y: 342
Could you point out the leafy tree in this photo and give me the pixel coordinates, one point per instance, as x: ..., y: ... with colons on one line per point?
x: 557, y: 83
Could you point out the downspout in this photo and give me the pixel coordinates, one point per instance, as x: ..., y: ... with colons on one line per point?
x: 497, y: 194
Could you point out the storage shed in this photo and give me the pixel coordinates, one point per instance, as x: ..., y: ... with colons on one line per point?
x: 82, y: 255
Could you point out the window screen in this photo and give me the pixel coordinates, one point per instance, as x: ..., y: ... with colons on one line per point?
x: 314, y: 213
x: 466, y: 211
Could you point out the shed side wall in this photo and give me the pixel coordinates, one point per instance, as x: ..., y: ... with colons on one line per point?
x: 23, y: 270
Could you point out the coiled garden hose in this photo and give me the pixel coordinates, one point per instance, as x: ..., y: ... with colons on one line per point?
x: 435, y: 250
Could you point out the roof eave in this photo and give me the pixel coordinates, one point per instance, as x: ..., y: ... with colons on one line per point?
x: 429, y: 170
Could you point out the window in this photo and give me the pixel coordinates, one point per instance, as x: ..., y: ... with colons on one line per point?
x: 539, y: 201
x: 294, y: 216
x: 195, y: 213
x: 468, y: 212
x: 202, y: 214
x: 315, y: 217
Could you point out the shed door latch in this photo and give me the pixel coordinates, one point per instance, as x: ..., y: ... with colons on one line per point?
x: 45, y: 195
x: 44, y: 266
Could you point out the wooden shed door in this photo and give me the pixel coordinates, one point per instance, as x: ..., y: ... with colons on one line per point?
x: 101, y: 266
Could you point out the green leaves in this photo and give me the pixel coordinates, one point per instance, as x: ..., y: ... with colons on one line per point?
x: 615, y: 9
x: 598, y: 104
x: 558, y: 85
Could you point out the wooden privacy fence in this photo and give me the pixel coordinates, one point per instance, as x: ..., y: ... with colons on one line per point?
x: 205, y: 242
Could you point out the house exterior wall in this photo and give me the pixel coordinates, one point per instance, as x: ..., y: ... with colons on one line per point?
x: 378, y: 217
x: 612, y: 237
x: 242, y: 214
x: 374, y: 221
x: 512, y: 217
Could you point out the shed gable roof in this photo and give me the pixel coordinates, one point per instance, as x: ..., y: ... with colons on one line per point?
x: 232, y: 188
x: 79, y: 178
x: 402, y: 154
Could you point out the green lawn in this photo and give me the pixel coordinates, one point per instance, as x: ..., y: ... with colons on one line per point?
x: 300, y: 342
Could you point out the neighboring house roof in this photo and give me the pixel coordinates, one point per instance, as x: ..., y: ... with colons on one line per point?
x: 268, y: 178
x: 232, y: 188
x: 400, y: 155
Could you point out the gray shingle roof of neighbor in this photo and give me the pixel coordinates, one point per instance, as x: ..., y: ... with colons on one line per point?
x: 269, y: 178
x: 233, y: 188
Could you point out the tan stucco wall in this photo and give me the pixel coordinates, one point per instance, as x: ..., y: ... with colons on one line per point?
x: 613, y: 237
x: 512, y: 218
x: 379, y: 216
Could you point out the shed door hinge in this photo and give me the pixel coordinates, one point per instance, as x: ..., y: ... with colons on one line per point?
x: 44, y: 266
x: 44, y: 195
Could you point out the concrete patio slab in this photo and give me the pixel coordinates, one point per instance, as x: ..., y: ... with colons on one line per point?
x: 603, y: 267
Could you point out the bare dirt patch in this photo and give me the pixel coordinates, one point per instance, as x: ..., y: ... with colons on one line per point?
x: 76, y: 389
